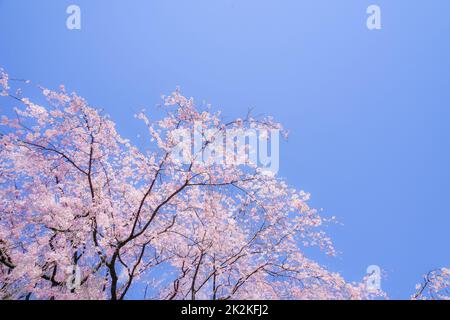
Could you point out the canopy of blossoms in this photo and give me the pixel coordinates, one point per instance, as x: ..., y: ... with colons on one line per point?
x: 85, y: 214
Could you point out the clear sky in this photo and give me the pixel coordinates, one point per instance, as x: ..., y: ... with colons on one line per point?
x: 368, y: 111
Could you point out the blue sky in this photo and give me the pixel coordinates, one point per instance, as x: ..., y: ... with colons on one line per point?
x: 368, y: 111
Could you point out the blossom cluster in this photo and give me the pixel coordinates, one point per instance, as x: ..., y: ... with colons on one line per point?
x: 78, y: 200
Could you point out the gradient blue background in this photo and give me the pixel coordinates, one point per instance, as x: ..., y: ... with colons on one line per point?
x: 368, y: 111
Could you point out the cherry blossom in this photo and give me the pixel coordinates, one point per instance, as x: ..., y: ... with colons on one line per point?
x: 435, y: 286
x: 78, y: 200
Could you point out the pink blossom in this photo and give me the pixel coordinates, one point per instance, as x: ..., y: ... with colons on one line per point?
x: 74, y: 193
